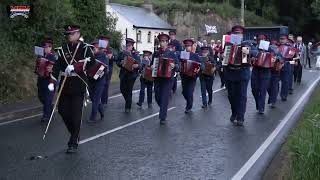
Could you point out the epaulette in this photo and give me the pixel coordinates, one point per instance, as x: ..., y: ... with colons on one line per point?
x: 85, y: 45
x: 58, y: 49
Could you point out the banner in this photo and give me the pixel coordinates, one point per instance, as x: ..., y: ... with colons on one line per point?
x: 211, y: 29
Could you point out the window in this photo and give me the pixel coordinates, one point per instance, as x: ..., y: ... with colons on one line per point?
x: 149, y: 37
x: 139, y: 36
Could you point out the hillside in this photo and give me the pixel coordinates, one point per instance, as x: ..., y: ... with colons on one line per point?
x: 189, y: 18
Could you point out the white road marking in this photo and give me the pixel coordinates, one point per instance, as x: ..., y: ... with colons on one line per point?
x: 120, y: 127
x: 20, y: 119
x: 215, y: 91
x: 37, y: 115
x: 246, y: 167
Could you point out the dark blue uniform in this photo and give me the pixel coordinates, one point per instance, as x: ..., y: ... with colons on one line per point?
x: 127, y: 78
x: 45, y: 96
x: 105, y: 94
x: 188, y: 84
x: 273, y: 89
x: 260, y: 79
x: 206, y: 83
x: 96, y: 90
x: 237, y: 79
x: 163, y: 86
x: 175, y: 78
x: 144, y: 83
x: 285, y: 78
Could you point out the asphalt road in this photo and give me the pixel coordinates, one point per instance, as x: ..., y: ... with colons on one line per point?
x: 200, y: 145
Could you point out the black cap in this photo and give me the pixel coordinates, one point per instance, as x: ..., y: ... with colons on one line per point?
x: 130, y: 41
x: 71, y: 28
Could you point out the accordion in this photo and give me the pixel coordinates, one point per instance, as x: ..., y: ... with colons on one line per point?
x: 188, y: 67
x: 287, y: 52
x: 128, y: 63
x: 233, y: 55
x: 97, y: 70
x: 277, y: 66
x: 42, y: 66
x: 264, y: 60
x: 208, y: 66
x: 147, y: 73
x: 162, y: 67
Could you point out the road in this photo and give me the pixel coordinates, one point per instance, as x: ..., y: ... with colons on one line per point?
x: 200, y: 145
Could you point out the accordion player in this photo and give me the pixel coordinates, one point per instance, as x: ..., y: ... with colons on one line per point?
x: 162, y: 67
x: 97, y: 70
x: 265, y: 59
x: 190, y: 68
x: 236, y: 55
x: 128, y: 63
x: 287, y: 52
x: 207, y: 65
x: 43, y: 67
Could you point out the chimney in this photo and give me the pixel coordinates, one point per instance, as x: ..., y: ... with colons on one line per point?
x: 148, y: 5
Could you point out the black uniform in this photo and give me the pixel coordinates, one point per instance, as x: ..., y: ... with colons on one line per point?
x: 72, y: 95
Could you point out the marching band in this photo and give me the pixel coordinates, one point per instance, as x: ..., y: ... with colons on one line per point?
x: 266, y: 62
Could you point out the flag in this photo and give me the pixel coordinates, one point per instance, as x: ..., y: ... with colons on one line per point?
x: 211, y: 29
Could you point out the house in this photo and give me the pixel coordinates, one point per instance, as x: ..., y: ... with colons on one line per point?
x: 138, y: 23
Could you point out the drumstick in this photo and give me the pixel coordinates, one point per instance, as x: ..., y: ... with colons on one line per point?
x: 59, y: 93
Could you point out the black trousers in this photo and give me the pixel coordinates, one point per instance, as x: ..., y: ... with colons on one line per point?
x: 126, y: 87
x: 70, y: 108
x: 297, y: 74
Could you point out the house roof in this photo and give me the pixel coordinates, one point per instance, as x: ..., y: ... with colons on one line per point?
x: 140, y: 17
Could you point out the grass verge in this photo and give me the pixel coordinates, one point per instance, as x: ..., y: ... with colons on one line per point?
x: 299, y: 156
x: 304, y: 143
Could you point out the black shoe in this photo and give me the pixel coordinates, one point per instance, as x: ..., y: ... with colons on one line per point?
x: 290, y: 91
x: 204, y: 106
x: 101, y: 117
x: 261, y: 112
x: 273, y: 105
x: 139, y: 104
x: 72, y: 150
x: 283, y: 99
x: 163, y: 122
x: 187, y: 111
x: 239, y: 123
x: 232, y: 118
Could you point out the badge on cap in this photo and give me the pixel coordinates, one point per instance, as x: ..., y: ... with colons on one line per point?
x: 39, y: 51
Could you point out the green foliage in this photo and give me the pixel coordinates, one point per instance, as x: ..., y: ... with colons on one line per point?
x: 315, y: 5
x: 19, y: 35
x: 304, y: 143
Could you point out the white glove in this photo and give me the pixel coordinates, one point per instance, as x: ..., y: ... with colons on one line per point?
x: 51, y: 87
x: 69, y: 70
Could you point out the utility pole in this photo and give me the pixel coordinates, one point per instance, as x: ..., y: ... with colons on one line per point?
x: 242, y: 13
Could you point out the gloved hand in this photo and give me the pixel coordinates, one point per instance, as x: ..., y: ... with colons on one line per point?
x: 69, y: 70
x: 51, y: 87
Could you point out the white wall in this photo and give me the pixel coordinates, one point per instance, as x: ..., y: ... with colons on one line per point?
x: 123, y: 24
x: 144, y: 44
